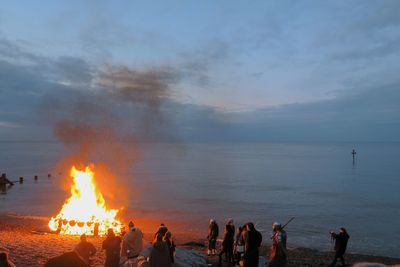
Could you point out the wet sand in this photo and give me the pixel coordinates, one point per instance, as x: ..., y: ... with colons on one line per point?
x: 27, y: 248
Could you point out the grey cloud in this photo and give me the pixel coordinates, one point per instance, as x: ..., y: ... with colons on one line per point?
x: 73, y: 69
x: 14, y: 51
x: 196, y: 65
x: 123, y: 102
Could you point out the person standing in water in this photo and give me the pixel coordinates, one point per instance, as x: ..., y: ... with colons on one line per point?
x: 341, y: 241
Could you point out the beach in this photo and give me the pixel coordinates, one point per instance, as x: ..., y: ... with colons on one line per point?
x: 29, y: 245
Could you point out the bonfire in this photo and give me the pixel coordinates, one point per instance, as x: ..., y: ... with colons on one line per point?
x: 85, y: 211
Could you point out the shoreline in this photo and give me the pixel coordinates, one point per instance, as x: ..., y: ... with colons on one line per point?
x: 34, y: 249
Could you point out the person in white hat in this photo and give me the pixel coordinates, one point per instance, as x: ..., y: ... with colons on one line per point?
x: 278, y: 255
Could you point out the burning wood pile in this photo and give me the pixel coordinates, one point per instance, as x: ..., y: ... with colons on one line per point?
x: 85, y: 211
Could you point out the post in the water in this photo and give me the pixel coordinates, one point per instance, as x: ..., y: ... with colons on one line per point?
x: 354, y: 155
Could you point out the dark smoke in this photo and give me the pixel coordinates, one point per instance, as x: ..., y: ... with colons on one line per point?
x: 104, y: 122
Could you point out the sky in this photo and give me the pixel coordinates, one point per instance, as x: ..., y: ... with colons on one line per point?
x: 238, y: 71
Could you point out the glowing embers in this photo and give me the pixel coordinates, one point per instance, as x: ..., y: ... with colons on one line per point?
x: 85, y: 211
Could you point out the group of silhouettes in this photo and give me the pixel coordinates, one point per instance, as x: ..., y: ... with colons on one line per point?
x: 126, y: 249
x: 241, y: 248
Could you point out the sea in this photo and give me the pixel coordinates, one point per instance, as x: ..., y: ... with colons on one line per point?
x: 318, y: 184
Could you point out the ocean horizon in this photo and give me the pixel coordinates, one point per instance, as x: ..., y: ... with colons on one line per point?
x: 317, y: 183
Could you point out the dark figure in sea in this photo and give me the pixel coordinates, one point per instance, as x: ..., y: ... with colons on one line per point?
x: 252, y: 242
x: 171, y: 245
x: 354, y: 155
x: 4, y: 261
x: 213, y: 232
x: 4, y: 182
x: 85, y: 249
x: 227, y: 245
x: 278, y: 254
x: 112, y: 246
x: 341, y: 241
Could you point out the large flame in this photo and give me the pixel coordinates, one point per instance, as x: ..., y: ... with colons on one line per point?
x: 85, y: 211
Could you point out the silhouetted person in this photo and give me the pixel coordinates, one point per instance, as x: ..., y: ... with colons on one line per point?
x: 159, y: 255
x: 227, y: 245
x: 239, y: 244
x: 341, y: 240
x: 85, y: 249
x: 171, y: 245
x: 112, y: 246
x: 4, y: 180
x: 252, y: 241
x: 232, y: 230
x: 4, y: 261
x: 278, y: 254
x: 354, y: 155
x: 213, y: 232
x: 162, y: 230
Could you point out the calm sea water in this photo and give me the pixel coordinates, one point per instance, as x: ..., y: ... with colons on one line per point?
x: 318, y: 184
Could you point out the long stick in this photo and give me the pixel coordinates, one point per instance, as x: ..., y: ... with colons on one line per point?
x: 291, y: 219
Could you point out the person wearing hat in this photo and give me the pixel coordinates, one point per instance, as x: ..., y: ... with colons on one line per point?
x: 278, y: 255
x: 341, y: 240
x: 132, y: 243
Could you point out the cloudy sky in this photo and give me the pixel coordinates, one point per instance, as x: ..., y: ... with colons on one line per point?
x: 201, y: 70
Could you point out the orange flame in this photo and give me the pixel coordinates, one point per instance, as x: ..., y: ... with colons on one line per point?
x: 85, y: 211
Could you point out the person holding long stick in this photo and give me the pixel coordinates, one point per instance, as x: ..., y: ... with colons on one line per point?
x: 278, y: 255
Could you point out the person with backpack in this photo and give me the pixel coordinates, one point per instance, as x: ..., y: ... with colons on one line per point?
x: 278, y: 255
x: 252, y: 242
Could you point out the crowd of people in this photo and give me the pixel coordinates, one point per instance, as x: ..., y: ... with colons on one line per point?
x: 239, y: 247
x: 126, y: 250
x: 161, y: 254
x: 242, y: 248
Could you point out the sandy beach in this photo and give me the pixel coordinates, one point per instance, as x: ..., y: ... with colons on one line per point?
x: 30, y: 247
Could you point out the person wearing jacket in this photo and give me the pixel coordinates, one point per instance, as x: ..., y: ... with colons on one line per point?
x: 341, y: 241
x: 160, y: 254
x: 132, y: 242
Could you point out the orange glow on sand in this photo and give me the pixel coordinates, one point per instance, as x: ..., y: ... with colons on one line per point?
x: 85, y: 211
